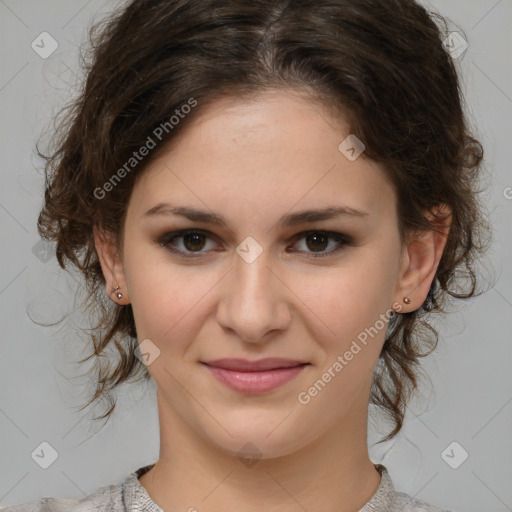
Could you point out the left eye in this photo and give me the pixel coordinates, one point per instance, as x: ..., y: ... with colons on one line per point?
x: 193, y: 241
x: 318, y: 240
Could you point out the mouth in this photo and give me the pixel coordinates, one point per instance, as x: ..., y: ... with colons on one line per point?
x: 255, y: 377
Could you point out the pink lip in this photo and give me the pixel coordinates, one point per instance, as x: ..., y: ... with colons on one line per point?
x: 255, y: 377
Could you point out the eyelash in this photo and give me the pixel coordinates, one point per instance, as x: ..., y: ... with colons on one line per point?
x: 170, y: 237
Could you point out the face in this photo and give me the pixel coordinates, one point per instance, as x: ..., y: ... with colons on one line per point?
x: 317, y: 292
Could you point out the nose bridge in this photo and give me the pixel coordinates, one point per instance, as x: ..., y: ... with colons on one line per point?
x: 253, y: 303
x: 253, y: 279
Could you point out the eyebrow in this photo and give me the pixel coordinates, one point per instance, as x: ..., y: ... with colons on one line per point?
x: 290, y: 219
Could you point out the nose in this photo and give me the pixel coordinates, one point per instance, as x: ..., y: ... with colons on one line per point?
x: 254, y: 301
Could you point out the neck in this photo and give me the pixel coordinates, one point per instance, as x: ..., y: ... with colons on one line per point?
x: 333, y: 473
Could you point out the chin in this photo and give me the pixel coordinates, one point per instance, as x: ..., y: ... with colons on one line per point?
x: 249, y: 448
x: 259, y: 439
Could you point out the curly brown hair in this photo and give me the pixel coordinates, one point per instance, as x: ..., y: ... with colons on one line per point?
x: 381, y: 62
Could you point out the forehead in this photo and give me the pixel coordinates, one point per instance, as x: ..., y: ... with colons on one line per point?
x: 263, y: 155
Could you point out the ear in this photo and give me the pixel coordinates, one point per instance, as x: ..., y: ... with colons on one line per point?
x: 420, y: 260
x: 111, y: 265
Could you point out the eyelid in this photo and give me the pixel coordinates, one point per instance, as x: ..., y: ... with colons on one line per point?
x: 342, y: 239
x: 168, y: 237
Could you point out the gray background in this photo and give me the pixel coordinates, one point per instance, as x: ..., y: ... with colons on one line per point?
x: 470, y: 397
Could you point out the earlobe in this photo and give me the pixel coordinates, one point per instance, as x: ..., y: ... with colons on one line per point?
x: 111, y: 266
x: 420, y: 260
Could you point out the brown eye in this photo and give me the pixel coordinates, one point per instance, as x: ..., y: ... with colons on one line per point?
x: 186, y: 243
x: 193, y: 241
x: 317, y: 241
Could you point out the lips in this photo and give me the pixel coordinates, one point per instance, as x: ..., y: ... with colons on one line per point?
x: 245, y: 365
x: 255, y: 377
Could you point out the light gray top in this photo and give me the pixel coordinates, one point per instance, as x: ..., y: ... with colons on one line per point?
x: 131, y: 496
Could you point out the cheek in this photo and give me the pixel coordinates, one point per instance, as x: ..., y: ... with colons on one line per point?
x: 347, y: 299
x: 354, y: 304
x: 355, y: 316
x: 162, y: 295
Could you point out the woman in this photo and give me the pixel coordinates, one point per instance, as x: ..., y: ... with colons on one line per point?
x: 274, y: 195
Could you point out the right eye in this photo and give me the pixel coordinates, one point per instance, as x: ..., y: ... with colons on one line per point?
x: 192, y: 242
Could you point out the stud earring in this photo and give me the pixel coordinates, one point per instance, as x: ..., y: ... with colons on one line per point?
x: 407, y: 300
x: 119, y: 295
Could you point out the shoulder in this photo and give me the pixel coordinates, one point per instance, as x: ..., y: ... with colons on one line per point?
x: 406, y: 503
x: 107, y: 499
x: 127, y: 495
x: 388, y: 499
x: 43, y: 505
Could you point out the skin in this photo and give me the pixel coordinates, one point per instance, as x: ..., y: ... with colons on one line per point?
x: 253, y: 161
